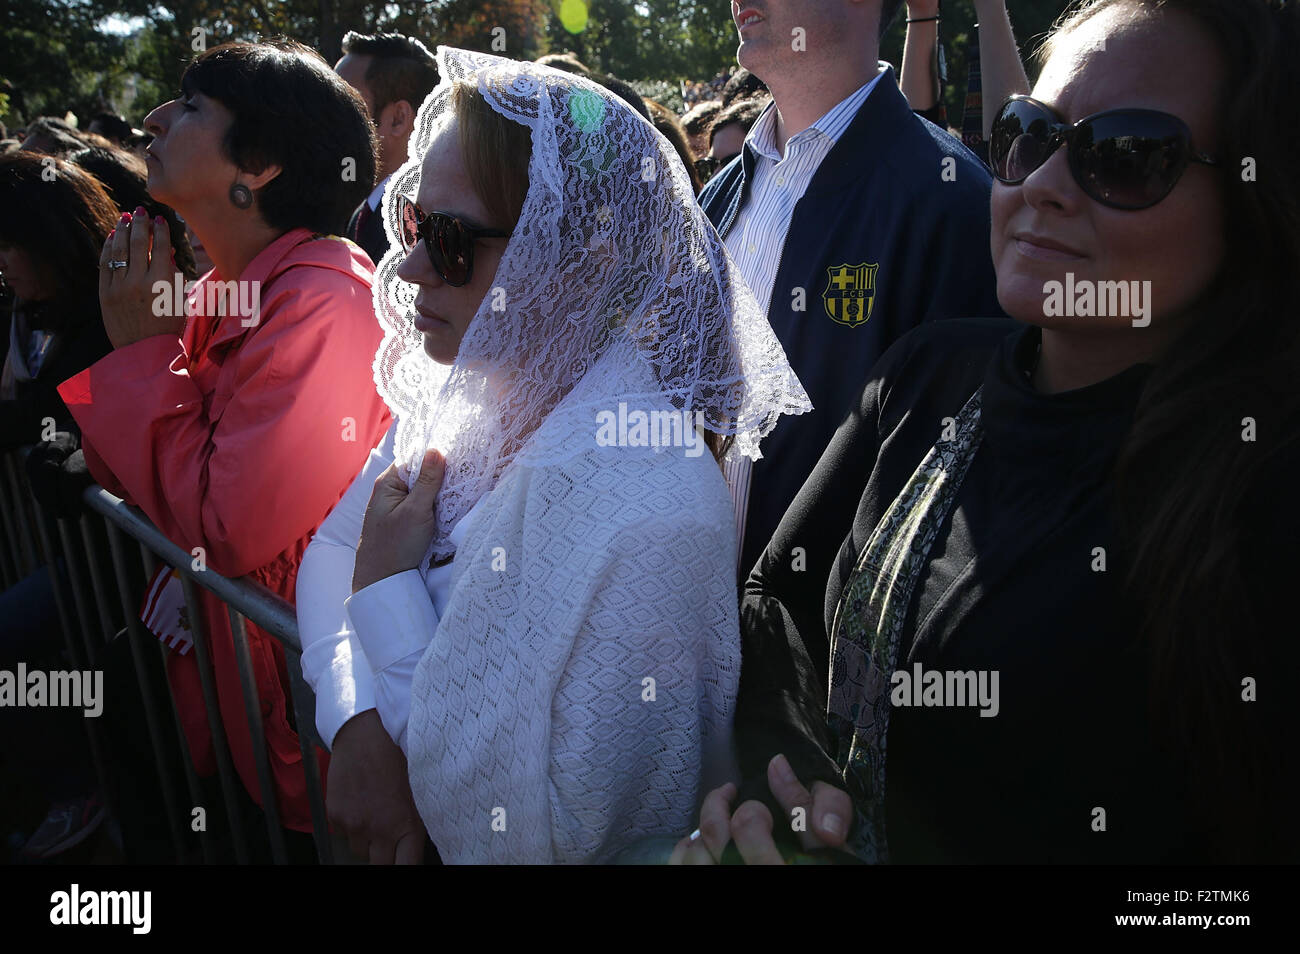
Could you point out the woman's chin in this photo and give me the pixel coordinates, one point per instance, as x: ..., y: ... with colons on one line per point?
x: 437, y: 348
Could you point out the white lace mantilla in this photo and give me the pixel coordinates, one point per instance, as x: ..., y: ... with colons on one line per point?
x: 612, y: 255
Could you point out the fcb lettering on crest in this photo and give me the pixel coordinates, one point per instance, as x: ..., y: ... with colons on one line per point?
x: 850, y: 293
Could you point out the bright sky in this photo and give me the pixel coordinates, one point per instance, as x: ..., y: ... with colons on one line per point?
x: 120, y: 25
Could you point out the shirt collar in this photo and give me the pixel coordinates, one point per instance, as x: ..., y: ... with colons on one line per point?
x: 377, y: 193
x: 762, y: 136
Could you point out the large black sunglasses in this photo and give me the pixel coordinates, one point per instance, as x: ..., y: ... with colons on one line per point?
x: 1123, y: 158
x: 448, y: 240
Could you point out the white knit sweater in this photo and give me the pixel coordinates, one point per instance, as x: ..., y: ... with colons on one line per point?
x: 576, y: 691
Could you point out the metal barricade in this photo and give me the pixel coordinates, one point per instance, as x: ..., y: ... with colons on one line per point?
x: 97, y: 602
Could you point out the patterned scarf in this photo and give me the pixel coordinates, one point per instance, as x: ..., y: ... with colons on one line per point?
x: 869, y: 622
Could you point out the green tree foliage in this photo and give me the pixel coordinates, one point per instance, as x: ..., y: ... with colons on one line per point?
x: 52, y: 57
x: 55, y: 55
x: 653, y: 39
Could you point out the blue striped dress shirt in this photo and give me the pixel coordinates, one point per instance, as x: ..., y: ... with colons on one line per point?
x: 756, y: 239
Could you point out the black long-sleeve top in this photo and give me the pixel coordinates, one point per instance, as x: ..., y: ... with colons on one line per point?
x: 22, y: 418
x: 1013, y: 583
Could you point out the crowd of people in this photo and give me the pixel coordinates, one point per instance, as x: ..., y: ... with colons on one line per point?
x: 637, y: 477
x: 695, y: 92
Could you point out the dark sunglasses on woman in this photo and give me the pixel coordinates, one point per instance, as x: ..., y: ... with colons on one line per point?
x: 448, y: 240
x: 1123, y: 158
x: 707, y: 167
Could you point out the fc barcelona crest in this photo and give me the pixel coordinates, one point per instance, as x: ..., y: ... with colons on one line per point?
x: 850, y: 293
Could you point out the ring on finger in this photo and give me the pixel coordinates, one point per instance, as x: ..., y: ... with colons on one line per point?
x: 115, y: 265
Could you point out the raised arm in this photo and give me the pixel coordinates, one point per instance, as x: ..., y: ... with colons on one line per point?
x: 919, y: 78
x: 1001, y: 71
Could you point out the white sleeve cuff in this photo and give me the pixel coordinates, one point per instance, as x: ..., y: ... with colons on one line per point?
x: 392, y: 618
x: 344, y: 688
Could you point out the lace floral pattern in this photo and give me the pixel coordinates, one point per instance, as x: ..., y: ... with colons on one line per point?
x: 612, y: 258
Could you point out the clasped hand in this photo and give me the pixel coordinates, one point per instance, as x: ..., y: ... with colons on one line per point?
x: 126, y: 293
x: 826, y: 813
x: 399, y: 523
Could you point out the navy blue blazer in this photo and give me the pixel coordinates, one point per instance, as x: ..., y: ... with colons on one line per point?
x: 892, y: 231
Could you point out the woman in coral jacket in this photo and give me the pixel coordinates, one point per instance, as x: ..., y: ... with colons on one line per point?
x: 237, y: 428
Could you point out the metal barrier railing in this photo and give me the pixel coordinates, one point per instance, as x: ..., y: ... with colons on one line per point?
x: 31, y: 538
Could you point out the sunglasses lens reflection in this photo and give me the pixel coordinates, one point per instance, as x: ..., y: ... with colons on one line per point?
x: 1126, y: 159
x: 410, y: 229
x: 1019, y: 142
x: 1133, y: 161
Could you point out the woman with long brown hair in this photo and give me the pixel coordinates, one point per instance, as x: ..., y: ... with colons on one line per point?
x: 55, y: 218
x: 1064, y: 597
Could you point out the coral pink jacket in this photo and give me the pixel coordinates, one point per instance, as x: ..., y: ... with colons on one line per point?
x: 240, y: 440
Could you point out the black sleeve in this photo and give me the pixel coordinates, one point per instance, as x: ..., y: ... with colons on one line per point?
x: 22, y: 420
x: 790, y: 597
x: 12, y: 427
x: 785, y: 649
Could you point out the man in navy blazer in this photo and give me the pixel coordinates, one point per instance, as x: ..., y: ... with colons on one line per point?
x: 393, y: 74
x: 850, y: 217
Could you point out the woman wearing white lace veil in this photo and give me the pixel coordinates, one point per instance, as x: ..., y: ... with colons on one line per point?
x: 564, y: 685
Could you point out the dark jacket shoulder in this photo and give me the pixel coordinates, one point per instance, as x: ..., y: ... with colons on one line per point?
x: 944, y: 359
x: 885, y: 138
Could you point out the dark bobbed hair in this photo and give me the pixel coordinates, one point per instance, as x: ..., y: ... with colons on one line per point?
x: 112, y: 126
x: 1191, y: 491
x: 60, y: 220
x: 401, y: 67
x: 125, y: 178
x: 290, y: 109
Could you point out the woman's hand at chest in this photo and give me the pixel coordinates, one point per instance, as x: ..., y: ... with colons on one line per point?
x: 399, y: 524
